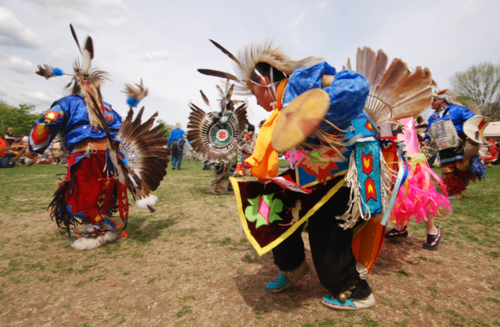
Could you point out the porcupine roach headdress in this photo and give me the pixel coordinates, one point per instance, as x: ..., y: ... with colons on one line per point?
x: 253, y: 54
x: 139, y: 152
x: 211, y: 140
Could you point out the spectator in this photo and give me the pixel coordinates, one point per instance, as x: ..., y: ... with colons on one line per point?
x: 26, y: 138
x: 176, y: 144
x: 3, y: 143
x: 9, y: 136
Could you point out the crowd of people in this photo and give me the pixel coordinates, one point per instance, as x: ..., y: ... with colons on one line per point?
x: 14, y: 148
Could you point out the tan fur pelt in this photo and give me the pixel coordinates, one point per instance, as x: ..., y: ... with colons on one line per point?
x: 266, y: 52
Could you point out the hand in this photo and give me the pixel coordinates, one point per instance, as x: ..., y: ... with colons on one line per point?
x: 31, y: 155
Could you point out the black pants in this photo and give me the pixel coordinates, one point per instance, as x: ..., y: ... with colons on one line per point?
x: 330, y: 248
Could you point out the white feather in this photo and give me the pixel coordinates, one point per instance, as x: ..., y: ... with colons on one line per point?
x: 87, y: 61
x: 143, y: 203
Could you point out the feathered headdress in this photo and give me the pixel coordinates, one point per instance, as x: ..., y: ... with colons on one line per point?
x: 395, y: 92
x: 253, y: 54
x: 86, y: 81
x: 448, y: 96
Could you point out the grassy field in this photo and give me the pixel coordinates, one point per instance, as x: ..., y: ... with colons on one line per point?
x: 189, y: 264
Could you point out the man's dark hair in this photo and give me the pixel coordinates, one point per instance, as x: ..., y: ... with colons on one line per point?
x: 251, y: 128
x: 265, y: 70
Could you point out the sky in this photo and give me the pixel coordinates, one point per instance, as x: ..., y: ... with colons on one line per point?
x: 165, y: 42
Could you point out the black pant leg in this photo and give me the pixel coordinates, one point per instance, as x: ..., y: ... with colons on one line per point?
x: 289, y: 254
x: 331, y: 245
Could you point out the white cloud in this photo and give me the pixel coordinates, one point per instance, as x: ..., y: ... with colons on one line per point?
x: 14, y: 34
x: 323, y: 5
x: 40, y: 99
x: 88, y: 6
x: 18, y: 64
x: 297, y: 20
x: 158, y: 55
x: 117, y: 22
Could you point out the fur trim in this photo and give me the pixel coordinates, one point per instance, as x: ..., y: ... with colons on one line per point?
x: 355, y: 209
x: 144, y: 202
x: 356, y: 203
x: 110, y: 236
x: 83, y: 243
x: 296, y: 274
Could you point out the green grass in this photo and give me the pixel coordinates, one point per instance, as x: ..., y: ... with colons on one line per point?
x: 193, y: 246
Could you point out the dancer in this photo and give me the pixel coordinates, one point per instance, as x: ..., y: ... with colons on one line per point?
x: 315, y: 108
x: 458, y: 152
x: 216, y: 136
x: 246, y: 147
x: 107, y: 155
x: 419, y: 198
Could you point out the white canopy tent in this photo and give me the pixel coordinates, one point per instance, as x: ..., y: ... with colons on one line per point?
x: 492, y: 130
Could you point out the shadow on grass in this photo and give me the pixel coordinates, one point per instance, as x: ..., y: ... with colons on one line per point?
x: 398, y: 252
x: 252, y: 287
x: 138, y: 232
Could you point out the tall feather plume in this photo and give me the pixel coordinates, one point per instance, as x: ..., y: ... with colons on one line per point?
x: 229, y: 54
x: 221, y: 93
x: 88, y: 55
x: 75, y: 38
x: 229, y: 93
x: 217, y: 73
x: 205, y: 99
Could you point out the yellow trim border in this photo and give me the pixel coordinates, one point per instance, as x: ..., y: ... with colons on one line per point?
x: 263, y: 250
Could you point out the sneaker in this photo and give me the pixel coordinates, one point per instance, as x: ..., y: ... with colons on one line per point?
x: 349, y: 303
x: 433, y: 241
x: 394, y: 233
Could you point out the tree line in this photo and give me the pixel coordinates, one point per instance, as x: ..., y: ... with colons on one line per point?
x: 480, y: 85
x: 23, y: 117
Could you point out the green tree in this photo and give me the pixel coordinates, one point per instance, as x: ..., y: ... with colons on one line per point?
x: 166, y: 127
x: 21, y: 118
x: 480, y: 83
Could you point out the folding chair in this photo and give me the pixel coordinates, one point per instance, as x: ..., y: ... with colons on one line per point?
x: 19, y: 150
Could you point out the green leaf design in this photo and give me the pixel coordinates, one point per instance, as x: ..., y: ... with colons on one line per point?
x: 276, y: 207
x: 252, y: 211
